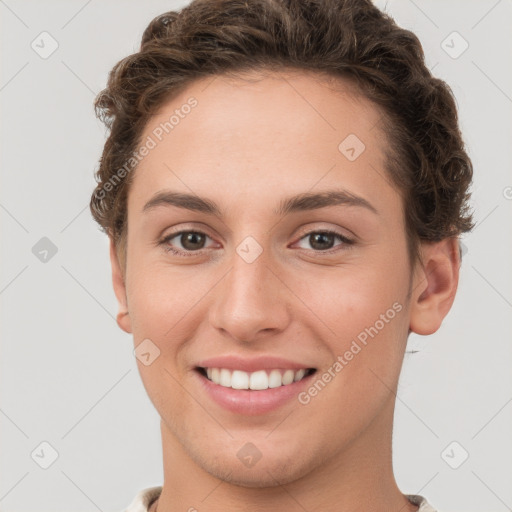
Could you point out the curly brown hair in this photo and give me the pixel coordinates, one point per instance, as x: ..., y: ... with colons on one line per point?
x: 352, y: 39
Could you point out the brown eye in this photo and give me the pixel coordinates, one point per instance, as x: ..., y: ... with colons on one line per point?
x: 323, y: 241
x: 190, y: 242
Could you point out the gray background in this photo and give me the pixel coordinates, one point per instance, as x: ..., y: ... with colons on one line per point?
x: 68, y: 374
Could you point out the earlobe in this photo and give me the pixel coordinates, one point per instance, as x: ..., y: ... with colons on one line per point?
x: 434, y: 285
x: 118, y: 282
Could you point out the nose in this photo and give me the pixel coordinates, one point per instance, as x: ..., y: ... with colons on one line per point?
x: 251, y: 302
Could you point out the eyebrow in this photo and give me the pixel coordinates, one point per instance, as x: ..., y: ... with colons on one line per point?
x: 301, y: 202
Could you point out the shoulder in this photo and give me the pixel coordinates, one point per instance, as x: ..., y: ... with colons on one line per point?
x: 143, y: 499
x: 423, y: 504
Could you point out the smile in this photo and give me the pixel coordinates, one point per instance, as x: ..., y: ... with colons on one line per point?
x: 256, y: 381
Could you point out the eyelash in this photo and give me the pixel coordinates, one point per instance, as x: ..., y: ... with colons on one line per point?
x: 164, y: 242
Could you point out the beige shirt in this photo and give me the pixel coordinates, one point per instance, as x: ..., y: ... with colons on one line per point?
x: 146, y: 497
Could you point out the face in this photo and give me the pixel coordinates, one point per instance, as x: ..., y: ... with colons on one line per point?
x: 240, y: 282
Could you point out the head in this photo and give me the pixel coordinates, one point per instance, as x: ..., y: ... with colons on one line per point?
x: 251, y: 109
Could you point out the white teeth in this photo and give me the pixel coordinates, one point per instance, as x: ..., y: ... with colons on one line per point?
x: 288, y: 377
x: 259, y: 380
x: 239, y: 380
x: 274, y: 379
x: 225, y: 378
x: 299, y: 375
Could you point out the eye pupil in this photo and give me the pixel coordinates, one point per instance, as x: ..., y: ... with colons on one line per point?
x: 191, y: 236
x: 314, y: 238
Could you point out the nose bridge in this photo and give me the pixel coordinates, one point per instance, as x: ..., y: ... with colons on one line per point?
x: 250, y: 299
x: 250, y: 281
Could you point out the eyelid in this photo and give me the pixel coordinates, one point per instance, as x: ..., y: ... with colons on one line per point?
x: 342, y: 232
x: 184, y: 228
x: 306, y: 230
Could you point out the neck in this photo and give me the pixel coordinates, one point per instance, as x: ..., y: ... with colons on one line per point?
x: 359, y: 478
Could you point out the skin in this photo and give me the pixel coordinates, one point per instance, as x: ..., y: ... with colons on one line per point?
x: 246, y: 146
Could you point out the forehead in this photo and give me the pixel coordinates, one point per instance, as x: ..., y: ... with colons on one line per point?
x: 295, y: 105
x: 261, y: 135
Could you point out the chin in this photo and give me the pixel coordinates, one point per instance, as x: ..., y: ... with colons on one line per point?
x: 265, y: 473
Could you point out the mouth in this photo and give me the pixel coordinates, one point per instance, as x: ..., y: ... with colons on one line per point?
x: 259, y: 380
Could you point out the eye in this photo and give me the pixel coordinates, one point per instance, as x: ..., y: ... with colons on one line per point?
x: 191, y: 242
x: 322, y: 240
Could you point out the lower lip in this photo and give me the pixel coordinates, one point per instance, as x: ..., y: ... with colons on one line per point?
x: 252, y: 402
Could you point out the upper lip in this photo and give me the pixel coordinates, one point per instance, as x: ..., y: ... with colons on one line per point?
x: 251, y: 364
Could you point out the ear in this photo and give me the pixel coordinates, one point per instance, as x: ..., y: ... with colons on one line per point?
x: 123, y: 317
x: 434, y: 285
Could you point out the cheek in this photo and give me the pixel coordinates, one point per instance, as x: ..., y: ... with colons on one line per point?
x: 366, y: 351
x: 365, y: 310
x: 161, y: 305
x: 350, y: 299
x: 159, y: 296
